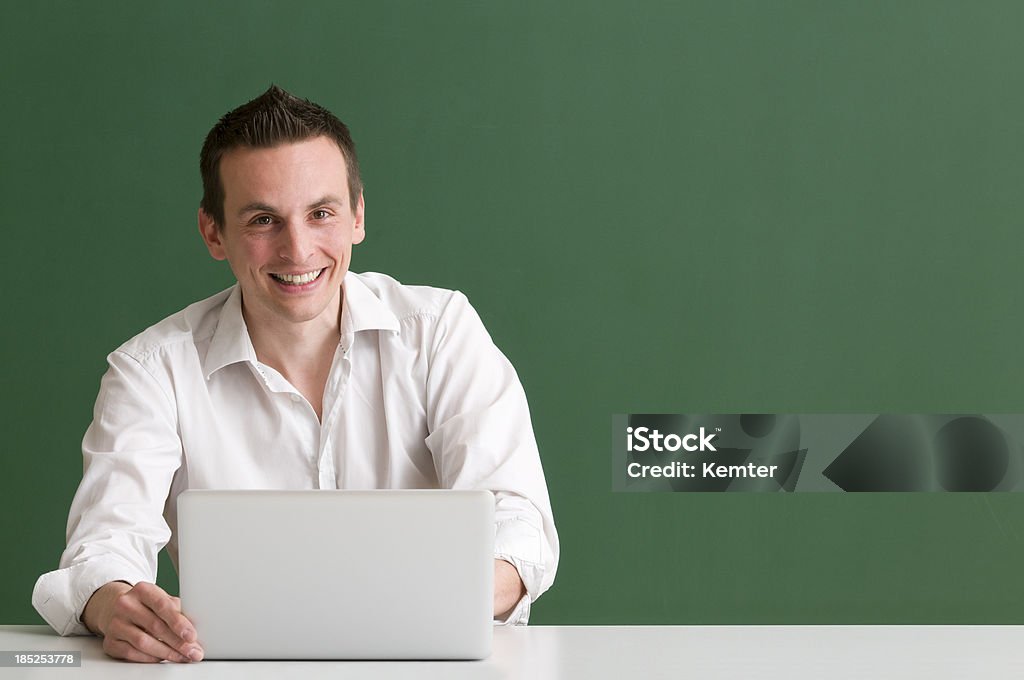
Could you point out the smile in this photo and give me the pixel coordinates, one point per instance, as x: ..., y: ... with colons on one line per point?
x: 298, y: 279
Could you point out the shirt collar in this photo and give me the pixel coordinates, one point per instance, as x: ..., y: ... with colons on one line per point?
x: 231, y: 344
x: 363, y: 310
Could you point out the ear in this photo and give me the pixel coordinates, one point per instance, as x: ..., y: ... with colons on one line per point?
x: 359, y: 229
x: 211, y: 236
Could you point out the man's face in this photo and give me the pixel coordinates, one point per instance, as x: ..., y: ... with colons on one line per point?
x: 288, y: 231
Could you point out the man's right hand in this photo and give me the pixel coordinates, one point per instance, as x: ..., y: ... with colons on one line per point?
x: 142, y: 624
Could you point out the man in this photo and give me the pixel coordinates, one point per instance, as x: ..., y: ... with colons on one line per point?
x: 302, y: 376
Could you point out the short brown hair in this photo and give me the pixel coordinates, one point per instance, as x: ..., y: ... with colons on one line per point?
x: 275, y: 117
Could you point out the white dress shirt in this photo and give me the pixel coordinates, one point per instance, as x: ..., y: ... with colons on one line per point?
x: 418, y: 397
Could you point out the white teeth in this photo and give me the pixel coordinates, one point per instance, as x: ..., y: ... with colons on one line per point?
x: 297, y: 279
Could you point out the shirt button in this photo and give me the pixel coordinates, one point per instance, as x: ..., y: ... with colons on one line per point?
x: 296, y: 398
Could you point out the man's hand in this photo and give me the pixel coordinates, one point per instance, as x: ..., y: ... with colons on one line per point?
x: 142, y: 624
x: 508, y: 589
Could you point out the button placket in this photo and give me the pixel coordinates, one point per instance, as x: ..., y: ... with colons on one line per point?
x: 332, y: 403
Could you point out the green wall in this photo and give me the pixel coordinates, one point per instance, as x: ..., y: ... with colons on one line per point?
x: 674, y: 207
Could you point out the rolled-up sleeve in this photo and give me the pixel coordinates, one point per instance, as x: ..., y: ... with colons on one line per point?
x: 116, y: 527
x: 481, y: 437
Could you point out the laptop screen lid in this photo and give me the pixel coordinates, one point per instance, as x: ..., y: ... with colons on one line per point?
x: 396, y: 574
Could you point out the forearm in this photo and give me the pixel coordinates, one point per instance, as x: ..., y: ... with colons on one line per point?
x: 131, y: 454
x: 525, y: 536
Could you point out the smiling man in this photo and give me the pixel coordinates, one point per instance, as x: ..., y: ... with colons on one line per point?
x: 304, y: 375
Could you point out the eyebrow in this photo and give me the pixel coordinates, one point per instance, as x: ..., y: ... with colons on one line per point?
x: 325, y: 200
x: 256, y: 206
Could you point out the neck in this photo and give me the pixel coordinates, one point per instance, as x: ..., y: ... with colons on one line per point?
x: 298, y: 347
x: 301, y: 352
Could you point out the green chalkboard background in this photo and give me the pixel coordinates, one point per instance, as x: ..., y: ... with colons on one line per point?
x: 656, y: 207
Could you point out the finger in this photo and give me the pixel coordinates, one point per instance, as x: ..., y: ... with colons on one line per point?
x: 169, y: 610
x: 147, y: 620
x: 133, y: 643
x: 189, y: 631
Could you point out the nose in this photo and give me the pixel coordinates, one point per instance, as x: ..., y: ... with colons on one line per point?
x: 295, y: 242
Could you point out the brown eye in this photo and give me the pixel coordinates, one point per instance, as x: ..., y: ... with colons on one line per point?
x: 263, y: 220
x: 320, y: 214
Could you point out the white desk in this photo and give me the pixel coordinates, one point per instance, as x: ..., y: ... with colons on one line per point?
x: 615, y: 652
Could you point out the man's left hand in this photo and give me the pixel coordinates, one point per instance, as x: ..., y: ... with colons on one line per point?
x: 508, y: 589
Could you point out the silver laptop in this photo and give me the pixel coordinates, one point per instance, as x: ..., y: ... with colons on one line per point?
x: 338, y: 574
